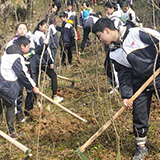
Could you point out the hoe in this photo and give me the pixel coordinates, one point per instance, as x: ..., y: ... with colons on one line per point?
x: 108, y: 123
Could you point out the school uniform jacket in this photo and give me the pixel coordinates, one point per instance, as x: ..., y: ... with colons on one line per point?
x: 85, y: 13
x: 134, y: 61
x: 90, y: 21
x: 67, y: 33
x: 47, y: 57
x: 13, y: 74
x: 72, y: 15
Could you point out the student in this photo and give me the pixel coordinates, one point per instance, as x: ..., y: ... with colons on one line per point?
x: 53, y: 39
x: 67, y: 39
x: 53, y: 15
x: 58, y: 4
x: 85, y: 13
x: 48, y: 63
x: 129, y: 15
x: 22, y: 30
x: 87, y: 28
x: 134, y: 62
x: 13, y: 74
x: 113, y: 13
x: 72, y: 15
x: 76, y: 4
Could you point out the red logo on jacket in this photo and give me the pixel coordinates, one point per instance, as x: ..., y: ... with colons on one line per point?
x: 132, y: 43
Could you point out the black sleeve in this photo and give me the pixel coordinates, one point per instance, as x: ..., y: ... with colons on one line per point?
x: 39, y: 48
x: 125, y: 80
x: 21, y: 72
x: 147, y: 38
x: 58, y: 28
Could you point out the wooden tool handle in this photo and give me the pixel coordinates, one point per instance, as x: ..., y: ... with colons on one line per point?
x: 16, y: 143
x: 65, y: 109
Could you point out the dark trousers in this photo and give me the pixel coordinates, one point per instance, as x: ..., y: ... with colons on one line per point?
x: 86, y: 32
x: 76, y: 4
x: 66, y: 50
x: 10, y: 114
x: 58, y: 8
x: 108, y: 67
x: 141, y: 111
x: 29, y: 101
x: 34, y: 71
x: 53, y: 76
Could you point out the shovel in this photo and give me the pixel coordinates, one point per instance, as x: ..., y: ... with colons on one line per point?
x: 108, y: 123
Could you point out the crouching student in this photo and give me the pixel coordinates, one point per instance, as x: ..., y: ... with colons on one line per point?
x: 134, y: 62
x: 13, y: 75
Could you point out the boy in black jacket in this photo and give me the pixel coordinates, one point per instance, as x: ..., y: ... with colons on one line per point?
x: 67, y: 39
x: 13, y: 74
x: 134, y: 60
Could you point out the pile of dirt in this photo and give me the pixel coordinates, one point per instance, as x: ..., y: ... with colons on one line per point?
x: 54, y: 128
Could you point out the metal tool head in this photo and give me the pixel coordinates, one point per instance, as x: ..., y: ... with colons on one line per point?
x: 81, y: 155
x: 73, y: 82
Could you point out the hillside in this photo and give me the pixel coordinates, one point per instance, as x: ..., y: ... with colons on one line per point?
x: 53, y: 134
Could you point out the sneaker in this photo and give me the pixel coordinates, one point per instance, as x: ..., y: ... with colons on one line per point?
x: 114, y: 90
x: 15, y: 135
x: 141, y: 152
x: 58, y: 99
x: 20, y: 117
x: 81, y: 53
x: 69, y: 65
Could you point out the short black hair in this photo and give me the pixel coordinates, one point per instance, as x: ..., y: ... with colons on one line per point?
x: 22, y: 40
x: 103, y: 23
x: 123, y: 4
x: 87, y: 4
x: 111, y: 4
x: 53, y: 5
x: 69, y: 4
x: 40, y: 23
x: 98, y: 14
x: 63, y: 14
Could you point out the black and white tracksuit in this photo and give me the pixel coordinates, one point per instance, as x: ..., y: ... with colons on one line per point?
x: 67, y: 40
x: 87, y: 27
x: 46, y: 61
x: 134, y: 63
x: 29, y: 98
x: 13, y: 75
